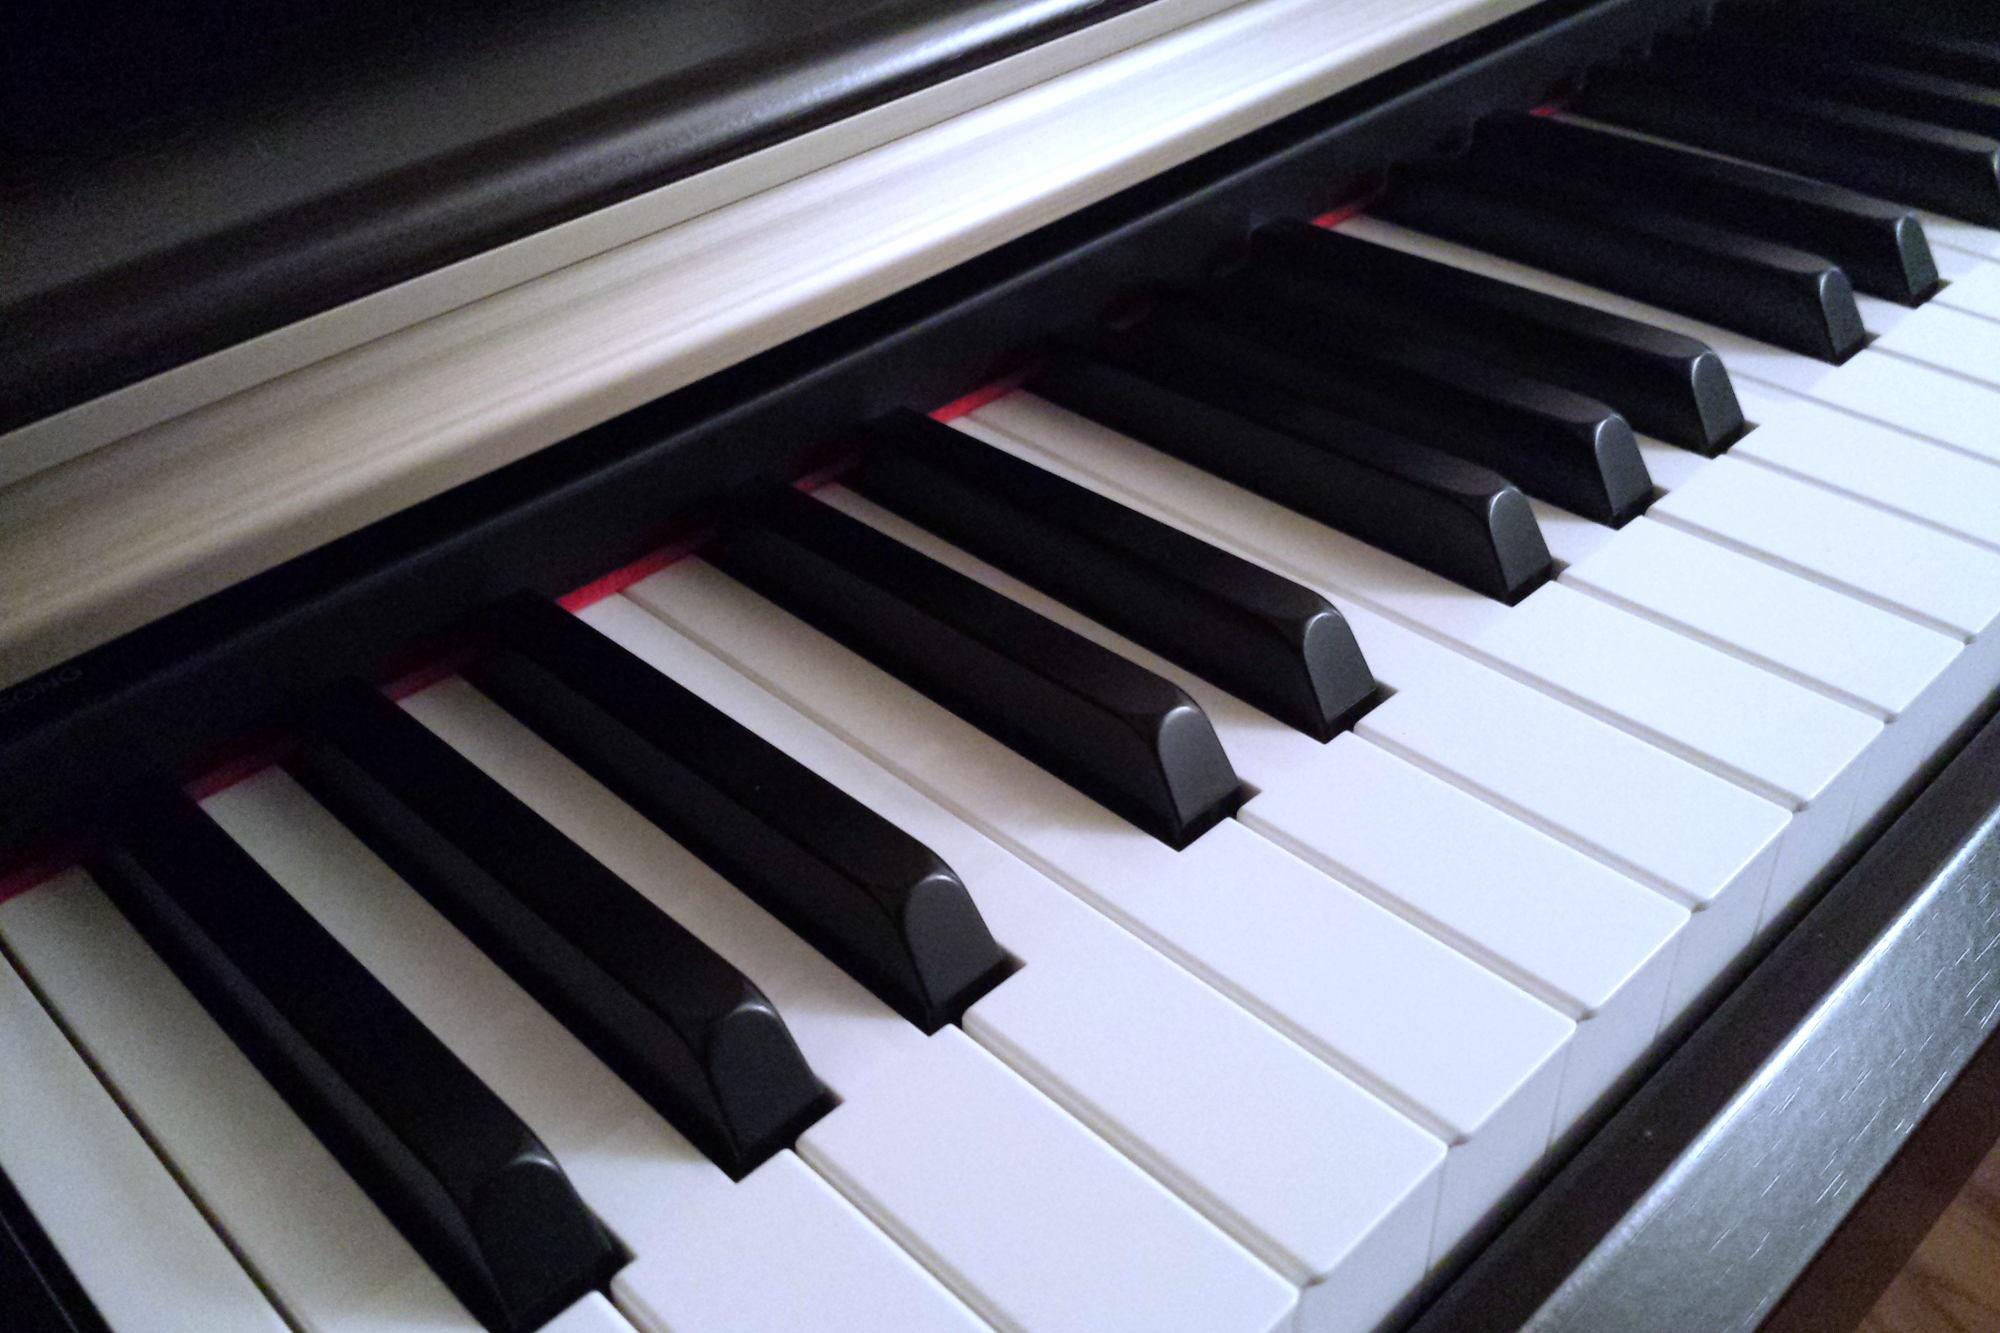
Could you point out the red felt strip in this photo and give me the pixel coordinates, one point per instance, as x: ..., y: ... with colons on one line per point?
x: 1333, y: 217
x: 618, y: 580
x: 25, y: 876
x: 979, y: 398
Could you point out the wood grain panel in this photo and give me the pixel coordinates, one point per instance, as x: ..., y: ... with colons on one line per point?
x: 1952, y: 1282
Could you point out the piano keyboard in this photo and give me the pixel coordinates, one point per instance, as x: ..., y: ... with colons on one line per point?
x: 1173, y: 847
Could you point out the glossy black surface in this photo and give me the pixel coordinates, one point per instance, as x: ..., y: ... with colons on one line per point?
x: 1452, y: 517
x: 1615, y: 241
x: 1553, y: 443
x: 1257, y: 634
x: 1108, y: 727
x: 1904, y: 160
x: 1665, y: 383
x: 867, y: 895
x: 1701, y: 1202
x: 458, y: 1173
x: 184, y: 175
x: 38, y: 1293
x: 683, y: 1027
x: 1879, y: 245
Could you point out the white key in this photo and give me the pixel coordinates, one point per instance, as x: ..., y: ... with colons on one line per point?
x: 1944, y: 408
x: 1446, y: 1042
x: 1913, y: 480
x: 135, y: 1244
x: 1921, y: 481
x: 1669, y: 464
x: 1917, y: 398
x: 1927, y: 576
x: 1789, y: 745
x: 304, y: 1228
x: 1867, y: 658
x: 1880, y: 316
x: 1622, y: 801
x: 1588, y: 942
x: 780, y: 1249
x: 1953, y: 264
x: 1972, y: 285
x: 1571, y: 538
x: 1612, y: 796
x: 1948, y: 339
x: 1970, y: 237
x: 1320, y: 801
x: 1313, y: 1175
x: 592, y: 1314
x: 1060, y: 1234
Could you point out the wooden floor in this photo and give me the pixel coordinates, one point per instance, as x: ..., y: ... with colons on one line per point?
x: 1952, y: 1282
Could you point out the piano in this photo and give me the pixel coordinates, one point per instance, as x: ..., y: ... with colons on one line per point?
x: 1306, y: 665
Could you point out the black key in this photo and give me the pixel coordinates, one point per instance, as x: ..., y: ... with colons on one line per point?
x: 683, y: 1027
x: 1667, y: 384
x: 1929, y: 166
x: 37, y: 1289
x: 1895, y: 38
x: 1256, y: 634
x: 1857, y: 76
x: 1880, y: 246
x: 876, y: 901
x: 1110, y: 728
x: 1972, y: 59
x: 1773, y: 292
x: 1452, y: 517
x: 1554, y: 444
x: 1930, y: 98
x: 469, y: 1185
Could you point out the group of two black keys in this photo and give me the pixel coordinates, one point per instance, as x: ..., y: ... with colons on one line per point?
x: 464, y: 1179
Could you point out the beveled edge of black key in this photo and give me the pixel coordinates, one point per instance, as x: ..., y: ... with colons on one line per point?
x: 1847, y: 336
x: 1323, y: 262
x: 1315, y: 677
x: 1628, y: 482
x: 1719, y: 409
x: 774, y: 529
x: 518, y: 1251
x: 705, y: 1024
x: 587, y: 695
x: 1920, y: 270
